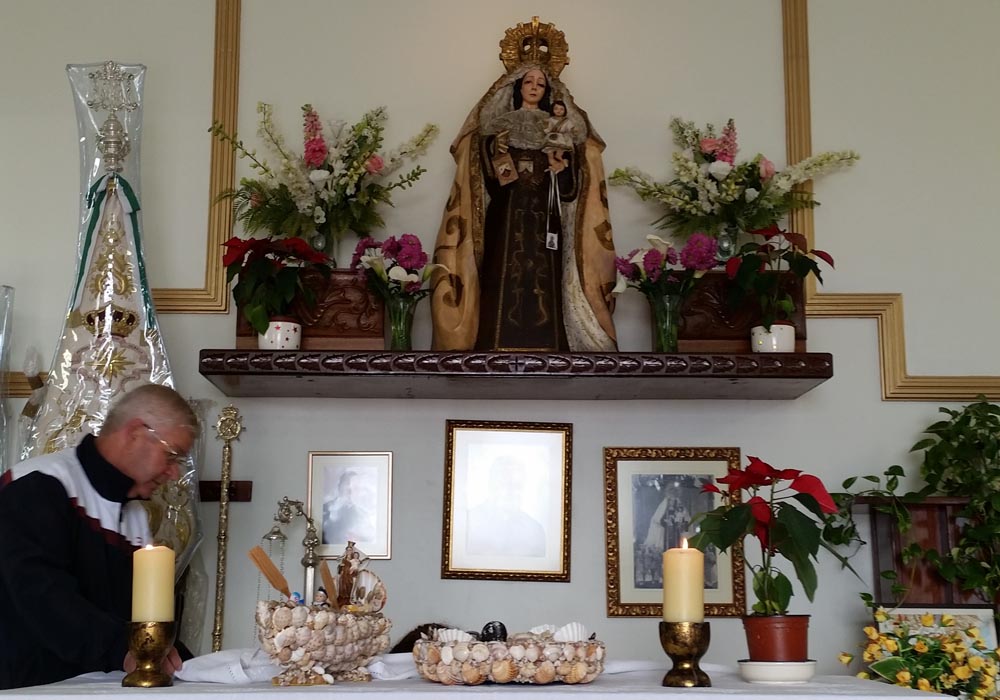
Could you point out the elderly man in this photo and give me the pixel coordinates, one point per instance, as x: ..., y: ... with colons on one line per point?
x: 67, y: 534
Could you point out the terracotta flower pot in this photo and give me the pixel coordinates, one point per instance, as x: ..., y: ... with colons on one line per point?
x: 777, y: 637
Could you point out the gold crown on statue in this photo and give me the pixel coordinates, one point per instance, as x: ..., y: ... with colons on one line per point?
x: 535, y: 42
x: 123, y: 321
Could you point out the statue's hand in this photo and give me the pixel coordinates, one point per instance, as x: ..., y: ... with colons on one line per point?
x: 557, y: 167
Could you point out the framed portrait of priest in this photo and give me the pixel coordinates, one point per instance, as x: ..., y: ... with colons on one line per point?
x: 651, y: 495
x: 349, y: 498
x: 507, y: 501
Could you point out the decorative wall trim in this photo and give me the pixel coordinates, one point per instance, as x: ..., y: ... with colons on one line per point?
x: 213, y: 297
x: 886, y: 309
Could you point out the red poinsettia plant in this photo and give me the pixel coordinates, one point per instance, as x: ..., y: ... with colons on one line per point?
x: 755, y: 270
x: 785, y: 512
x: 268, y: 274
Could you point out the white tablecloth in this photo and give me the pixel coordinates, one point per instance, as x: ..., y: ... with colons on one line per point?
x: 639, y: 680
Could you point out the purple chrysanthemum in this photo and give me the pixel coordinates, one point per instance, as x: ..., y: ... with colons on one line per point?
x: 699, y: 253
x: 624, y: 267
x: 411, y: 254
x: 652, y: 263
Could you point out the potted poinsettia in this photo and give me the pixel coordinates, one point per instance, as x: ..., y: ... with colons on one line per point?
x: 757, y: 271
x: 783, y: 511
x: 268, y: 273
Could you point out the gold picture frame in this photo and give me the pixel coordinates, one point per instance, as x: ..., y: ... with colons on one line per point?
x: 650, y: 495
x: 507, y: 495
x: 349, y: 498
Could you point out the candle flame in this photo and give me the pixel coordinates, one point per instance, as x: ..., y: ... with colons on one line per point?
x: 149, y: 546
x: 684, y: 543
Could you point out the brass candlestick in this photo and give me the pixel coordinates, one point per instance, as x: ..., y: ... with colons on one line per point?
x: 685, y: 643
x: 149, y: 643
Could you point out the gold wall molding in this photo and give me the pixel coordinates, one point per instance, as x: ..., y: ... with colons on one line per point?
x: 886, y: 309
x: 213, y: 297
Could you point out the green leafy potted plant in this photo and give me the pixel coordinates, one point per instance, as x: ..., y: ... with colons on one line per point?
x: 962, y: 461
x: 784, y: 512
x: 757, y: 272
x: 268, y: 275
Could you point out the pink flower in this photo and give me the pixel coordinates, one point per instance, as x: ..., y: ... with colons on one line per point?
x: 412, y: 287
x: 311, y: 127
x: 652, y: 263
x: 709, y: 146
x: 375, y: 164
x: 766, y: 169
x: 625, y: 268
x: 699, y: 253
x: 315, y: 152
x: 727, y: 144
x: 411, y: 254
x: 390, y: 247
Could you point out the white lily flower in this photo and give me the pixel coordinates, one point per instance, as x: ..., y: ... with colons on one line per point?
x: 430, y: 267
x: 638, y: 257
x: 319, y: 216
x: 620, y: 285
x: 399, y: 274
x: 657, y: 243
x: 751, y: 194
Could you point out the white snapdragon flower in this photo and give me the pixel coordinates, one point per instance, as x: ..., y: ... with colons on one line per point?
x: 719, y: 169
x: 751, y: 194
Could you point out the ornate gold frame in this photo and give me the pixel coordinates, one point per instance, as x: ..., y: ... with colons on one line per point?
x: 612, y: 455
x: 886, y: 309
x: 213, y: 297
x: 450, y: 464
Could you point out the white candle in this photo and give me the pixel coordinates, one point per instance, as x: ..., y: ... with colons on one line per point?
x: 153, y: 584
x: 683, y: 584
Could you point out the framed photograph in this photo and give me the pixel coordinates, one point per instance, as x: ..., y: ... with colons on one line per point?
x: 349, y: 498
x: 507, y: 501
x: 650, y: 496
x: 921, y: 619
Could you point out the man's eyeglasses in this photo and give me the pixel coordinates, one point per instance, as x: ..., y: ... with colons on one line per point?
x: 173, y: 456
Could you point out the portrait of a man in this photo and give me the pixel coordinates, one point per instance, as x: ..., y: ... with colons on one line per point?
x: 499, y: 523
x: 350, y: 500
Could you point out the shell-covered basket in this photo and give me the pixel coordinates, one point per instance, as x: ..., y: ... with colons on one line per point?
x: 529, y: 657
x: 314, y: 644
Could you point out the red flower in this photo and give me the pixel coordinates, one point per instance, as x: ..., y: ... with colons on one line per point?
x: 236, y: 250
x: 810, y: 485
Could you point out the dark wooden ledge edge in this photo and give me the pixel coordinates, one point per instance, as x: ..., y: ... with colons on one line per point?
x: 513, y: 375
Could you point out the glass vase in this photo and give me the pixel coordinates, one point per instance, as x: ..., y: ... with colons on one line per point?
x: 399, y: 314
x: 729, y: 242
x: 665, y: 310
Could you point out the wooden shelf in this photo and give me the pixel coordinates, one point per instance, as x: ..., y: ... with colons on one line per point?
x: 516, y: 375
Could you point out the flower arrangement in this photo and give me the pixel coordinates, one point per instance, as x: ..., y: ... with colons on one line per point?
x: 712, y: 192
x: 654, y: 272
x: 335, y: 185
x: 396, y: 269
x: 929, y: 652
x: 268, y: 275
x: 785, y: 513
x: 755, y: 268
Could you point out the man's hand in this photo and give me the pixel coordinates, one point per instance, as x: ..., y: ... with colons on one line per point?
x: 171, y: 663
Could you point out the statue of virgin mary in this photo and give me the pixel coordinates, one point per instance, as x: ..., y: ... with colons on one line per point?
x: 525, y: 240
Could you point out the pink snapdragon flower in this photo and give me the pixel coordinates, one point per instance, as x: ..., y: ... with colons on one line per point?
x: 375, y: 164
x: 727, y: 144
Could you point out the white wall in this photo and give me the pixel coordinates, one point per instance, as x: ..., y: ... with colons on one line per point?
x: 905, y: 83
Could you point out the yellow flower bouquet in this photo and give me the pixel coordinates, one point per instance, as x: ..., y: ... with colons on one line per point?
x: 932, y: 652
